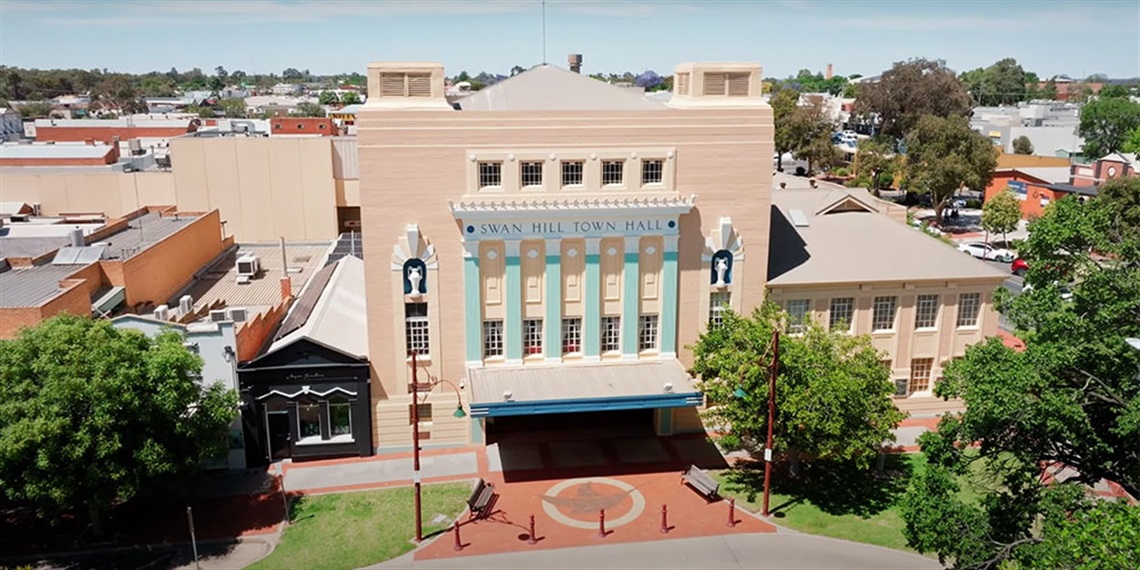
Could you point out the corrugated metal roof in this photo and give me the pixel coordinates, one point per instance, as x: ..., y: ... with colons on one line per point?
x: 857, y: 246
x: 338, y: 318
x: 346, y: 158
x: 219, y: 282
x: 551, y: 88
x: 31, y: 151
x: 32, y: 286
x: 595, y: 380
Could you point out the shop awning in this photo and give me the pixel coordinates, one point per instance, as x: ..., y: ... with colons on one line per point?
x: 586, y: 387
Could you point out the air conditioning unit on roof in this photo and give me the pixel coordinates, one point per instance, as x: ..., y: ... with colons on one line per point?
x: 219, y: 316
x: 238, y: 314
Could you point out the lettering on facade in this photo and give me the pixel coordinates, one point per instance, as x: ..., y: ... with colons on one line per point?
x: 294, y: 376
x: 572, y: 227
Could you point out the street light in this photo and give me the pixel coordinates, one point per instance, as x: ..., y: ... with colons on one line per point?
x: 458, y: 413
x: 773, y: 370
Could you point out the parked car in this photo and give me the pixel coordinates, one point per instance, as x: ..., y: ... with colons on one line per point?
x: 982, y: 250
x: 1019, y: 267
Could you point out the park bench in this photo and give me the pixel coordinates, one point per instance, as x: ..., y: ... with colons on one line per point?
x: 701, y: 482
x: 482, y: 499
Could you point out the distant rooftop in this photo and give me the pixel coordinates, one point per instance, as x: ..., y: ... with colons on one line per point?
x: 32, y: 286
x: 58, y: 150
x: 550, y: 88
x: 143, y: 232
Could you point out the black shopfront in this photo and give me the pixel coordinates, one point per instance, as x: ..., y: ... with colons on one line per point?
x: 305, y: 401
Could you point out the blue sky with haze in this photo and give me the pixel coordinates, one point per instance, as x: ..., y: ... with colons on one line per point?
x: 1047, y: 37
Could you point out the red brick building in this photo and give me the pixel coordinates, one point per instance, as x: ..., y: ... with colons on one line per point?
x: 106, y: 131
x: 1037, y: 187
x: 322, y: 126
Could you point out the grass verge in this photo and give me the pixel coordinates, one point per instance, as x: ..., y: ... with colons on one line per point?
x: 351, y: 530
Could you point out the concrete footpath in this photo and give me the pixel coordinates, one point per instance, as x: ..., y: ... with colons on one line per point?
x: 783, y: 550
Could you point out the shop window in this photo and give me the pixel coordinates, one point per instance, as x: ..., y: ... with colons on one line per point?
x: 532, y: 336
x: 309, y: 420
x: 571, y: 335
x: 340, y: 417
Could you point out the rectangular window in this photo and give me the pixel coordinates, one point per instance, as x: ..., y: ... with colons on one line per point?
x: 492, y: 338
x: 572, y: 173
x: 490, y: 174
x: 416, y: 329
x: 531, y: 173
x: 718, y: 304
x: 798, y: 310
x: 885, y: 310
x: 926, y: 312
x: 309, y: 419
x: 340, y: 417
x: 613, y: 172
x: 969, y: 305
x: 920, y: 374
x: 841, y: 313
x: 611, y: 334
x: 532, y: 336
x: 652, y: 172
x: 647, y: 332
x: 572, y: 335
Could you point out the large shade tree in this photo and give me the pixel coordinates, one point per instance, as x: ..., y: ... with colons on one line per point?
x: 1105, y: 125
x: 783, y: 102
x: 833, y: 393
x: 1069, y: 404
x: 91, y: 415
x: 944, y: 155
x: 910, y: 90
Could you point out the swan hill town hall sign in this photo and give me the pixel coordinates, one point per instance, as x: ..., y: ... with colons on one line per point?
x: 564, y: 227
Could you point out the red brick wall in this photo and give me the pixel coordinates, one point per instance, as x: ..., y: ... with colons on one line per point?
x: 252, y: 334
x: 162, y: 269
x: 302, y: 126
x: 75, y: 298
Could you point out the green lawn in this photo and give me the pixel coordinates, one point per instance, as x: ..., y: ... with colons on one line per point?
x: 844, y: 505
x: 351, y: 530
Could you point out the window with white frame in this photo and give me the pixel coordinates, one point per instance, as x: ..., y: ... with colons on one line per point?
x: 719, y: 302
x: 340, y: 416
x: 572, y: 172
x: 647, y: 332
x: 969, y: 306
x: 530, y: 173
x: 611, y: 334
x: 532, y: 336
x: 926, y: 312
x: 571, y: 335
x: 490, y: 174
x: 798, y: 310
x: 841, y: 313
x: 416, y: 329
x: 920, y: 374
x: 613, y: 172
x: 885, y: 310
x: 652, y: 172
x: 492, y: 338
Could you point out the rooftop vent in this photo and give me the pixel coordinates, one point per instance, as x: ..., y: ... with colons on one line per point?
x: 799, y: 219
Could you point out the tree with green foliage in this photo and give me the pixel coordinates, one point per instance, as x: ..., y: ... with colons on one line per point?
x: 350, y: 98
x: 1065, y: 410
x: 1022, y: 145
x: 1003, y: 83
x: 910, y: 90
x: 35, y: 109
x: 974, y: 79
x: 945, y: 155
x: 291, y: 74
x: 876, y: 161
x: 91, y: 415
x: 1049, y: 90
x: 1001, y: 214
x: 329, y: 98
x: 307, y: 109
x: 783, y: 102
x: 1105, y: 125
x: 233, y: 108
x: 1132, y: 142
x: 1113, y: 92
x: 833, y: 393
x: 808, y: 130
x: 202, y: 111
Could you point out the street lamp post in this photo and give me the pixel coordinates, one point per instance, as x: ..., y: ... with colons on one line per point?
x: 459, y: 413
x: 775, y: 368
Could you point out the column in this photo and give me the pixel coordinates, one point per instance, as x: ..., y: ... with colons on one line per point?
x: 513, y: 324
x: 593, y: 293
x: 472, y: 303
x: 668, y: 320
x: 553, y: 342
x: 630, y: 298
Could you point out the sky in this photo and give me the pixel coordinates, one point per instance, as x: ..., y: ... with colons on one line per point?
x: 1077, y: 38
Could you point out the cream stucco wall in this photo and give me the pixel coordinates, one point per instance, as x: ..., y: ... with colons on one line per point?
x: 414, y: 162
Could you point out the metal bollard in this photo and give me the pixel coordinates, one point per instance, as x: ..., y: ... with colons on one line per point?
x: 664, y: 519
x: 533, y: 539
x: 458, y: 542
x: 731, y: 513
x: 602, y: 523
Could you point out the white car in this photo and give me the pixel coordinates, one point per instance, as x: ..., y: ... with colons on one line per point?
x: 982, y: 250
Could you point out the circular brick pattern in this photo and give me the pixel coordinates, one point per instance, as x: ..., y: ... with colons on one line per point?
x: 581, y: 497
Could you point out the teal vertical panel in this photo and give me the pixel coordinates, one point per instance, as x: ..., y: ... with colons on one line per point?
x: 668, y: 318
x: 553, y: 324
x: 514, y: 308
x: 477, y: 430
x: 472, y: 309
x: 664, y: 421
x: 593, y: 295
x: 629, y: 303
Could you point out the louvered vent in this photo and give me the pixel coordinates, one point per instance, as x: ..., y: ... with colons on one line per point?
x: 682, y: 84
x: 738, y: 84
x: 715, y: 83
x: 405, y: 85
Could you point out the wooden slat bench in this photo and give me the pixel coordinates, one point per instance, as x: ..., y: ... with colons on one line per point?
x: 699, y: 480
x: 482, y: 499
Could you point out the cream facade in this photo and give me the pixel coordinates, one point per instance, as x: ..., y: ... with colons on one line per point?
x: 555, y: 243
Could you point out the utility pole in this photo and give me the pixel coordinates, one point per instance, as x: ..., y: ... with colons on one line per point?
x: 416, y: 447
x: 775, y: 368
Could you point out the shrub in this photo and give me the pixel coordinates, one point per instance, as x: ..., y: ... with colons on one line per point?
x: 973, y: 204
x: 884, y: 180
x: 841, y: 171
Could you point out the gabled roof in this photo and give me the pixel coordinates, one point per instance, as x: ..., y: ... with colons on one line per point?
x: 337, y: 318
x: 841, y: 237
x: 1049, y: 174
x: 550, y: 88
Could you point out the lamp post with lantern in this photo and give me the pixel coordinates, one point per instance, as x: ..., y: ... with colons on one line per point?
x: 426, y: 388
